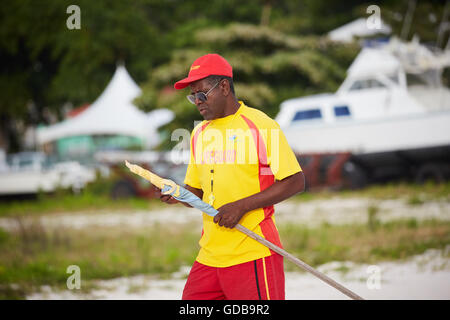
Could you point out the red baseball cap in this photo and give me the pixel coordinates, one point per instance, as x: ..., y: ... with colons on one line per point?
x: 209, y: 64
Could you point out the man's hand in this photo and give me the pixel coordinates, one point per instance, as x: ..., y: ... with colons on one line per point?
x: 230, y: 214
x: 167, y: 198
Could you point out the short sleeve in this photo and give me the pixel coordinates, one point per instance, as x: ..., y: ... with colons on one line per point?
x: 281, y: 158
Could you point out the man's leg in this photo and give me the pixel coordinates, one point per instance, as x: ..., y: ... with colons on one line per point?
x: 202, y: 284
x: 261, y: 279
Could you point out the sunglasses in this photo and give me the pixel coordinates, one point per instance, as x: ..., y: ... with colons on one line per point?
x: 200, y: 95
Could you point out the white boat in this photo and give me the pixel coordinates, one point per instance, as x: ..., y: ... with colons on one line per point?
x: 392, y: 113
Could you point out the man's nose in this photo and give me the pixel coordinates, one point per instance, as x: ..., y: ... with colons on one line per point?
x: 198, y: 101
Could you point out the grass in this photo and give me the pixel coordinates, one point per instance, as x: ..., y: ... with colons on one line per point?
x: 414, y: 193
x: 36, y: 256
x: 96, y: 198
x: 372, y: 220
x: 364, y: 243
x: 74, y: 203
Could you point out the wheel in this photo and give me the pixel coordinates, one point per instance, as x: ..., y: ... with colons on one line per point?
x: 432, y: 171
x: 123, y: 189
x: 355, y: 176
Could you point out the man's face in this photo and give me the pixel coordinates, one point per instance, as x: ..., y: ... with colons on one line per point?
x: 213, y: 107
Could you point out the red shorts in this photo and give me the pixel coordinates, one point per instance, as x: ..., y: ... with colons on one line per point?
x: 261, y: 279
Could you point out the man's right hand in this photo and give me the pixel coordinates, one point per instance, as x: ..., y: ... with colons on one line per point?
x: 167, y: 198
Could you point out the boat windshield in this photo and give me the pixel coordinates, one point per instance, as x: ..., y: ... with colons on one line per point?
x: 429, y: 78
x: 366, y: 84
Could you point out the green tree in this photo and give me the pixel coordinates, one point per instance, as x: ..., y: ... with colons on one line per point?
x: 277, y: 48
x: 268, y: 66
x: 48, y: 65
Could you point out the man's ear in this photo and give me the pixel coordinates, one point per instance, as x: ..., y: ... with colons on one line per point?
x: 225, y: 87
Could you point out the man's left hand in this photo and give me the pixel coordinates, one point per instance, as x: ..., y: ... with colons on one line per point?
x: 229, y: 214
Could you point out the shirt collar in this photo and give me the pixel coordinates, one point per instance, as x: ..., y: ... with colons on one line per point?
x: 231, y: 117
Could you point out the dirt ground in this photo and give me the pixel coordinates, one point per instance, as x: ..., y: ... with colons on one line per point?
x: 425, y: 276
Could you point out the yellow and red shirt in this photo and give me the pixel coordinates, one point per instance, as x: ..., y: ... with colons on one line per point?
x: 232, y: 158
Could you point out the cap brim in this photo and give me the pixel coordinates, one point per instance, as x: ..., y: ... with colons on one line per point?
x: 187, y: 81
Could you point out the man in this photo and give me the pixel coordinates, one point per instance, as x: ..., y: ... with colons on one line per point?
x: 242, y: 165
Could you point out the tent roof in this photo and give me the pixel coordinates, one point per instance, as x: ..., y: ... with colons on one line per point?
x: 112, y: 113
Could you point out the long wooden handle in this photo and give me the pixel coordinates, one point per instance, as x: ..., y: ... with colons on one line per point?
x: 298, y: 262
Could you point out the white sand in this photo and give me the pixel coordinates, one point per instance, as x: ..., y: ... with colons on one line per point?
x: 425, y: 276
x: 135, y: 219
x: 334, y: 211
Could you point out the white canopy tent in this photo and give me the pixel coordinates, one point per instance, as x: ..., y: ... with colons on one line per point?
x: 112, y: 113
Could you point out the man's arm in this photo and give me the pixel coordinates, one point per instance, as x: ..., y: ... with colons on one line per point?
x: 230, y: 213
x: 170, y: 200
